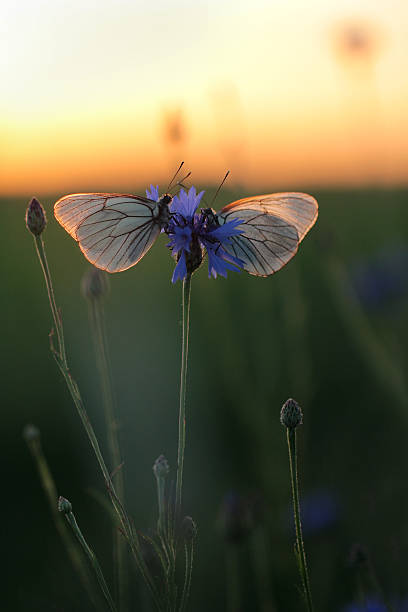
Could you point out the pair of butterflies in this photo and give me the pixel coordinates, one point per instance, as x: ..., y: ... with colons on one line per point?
x: 114, y: 231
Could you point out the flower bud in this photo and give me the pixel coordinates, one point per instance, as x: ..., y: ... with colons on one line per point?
x: 94, y: 284
x: 64, y: 505
x: 31, y: 432
x: 35, y: 217
x: 161, y: 467
x: 291, y: 415
x: 188, y: 529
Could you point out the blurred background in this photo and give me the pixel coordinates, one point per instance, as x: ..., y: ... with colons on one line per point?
x: 288, y: 96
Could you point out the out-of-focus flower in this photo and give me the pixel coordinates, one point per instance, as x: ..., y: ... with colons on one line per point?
x: 239, y: 514
x: 319, y: 510
x: 382, y: 278
x: 194, y: 233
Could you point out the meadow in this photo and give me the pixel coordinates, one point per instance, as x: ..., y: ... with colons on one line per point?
x: 330, y: 330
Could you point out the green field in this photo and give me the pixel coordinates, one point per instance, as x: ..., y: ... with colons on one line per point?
x: 303, y: 333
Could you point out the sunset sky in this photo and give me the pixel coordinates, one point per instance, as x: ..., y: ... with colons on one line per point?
x: 111, y: 95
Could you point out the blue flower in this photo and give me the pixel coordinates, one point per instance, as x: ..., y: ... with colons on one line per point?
x: 153, y: 193
x: 370, y: 605
x: 194, y: 233
x: 320, y: 510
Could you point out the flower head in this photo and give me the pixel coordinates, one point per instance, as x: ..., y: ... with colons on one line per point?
x: 193, y: 233
x: 35, y: 217
x: 153, y: 193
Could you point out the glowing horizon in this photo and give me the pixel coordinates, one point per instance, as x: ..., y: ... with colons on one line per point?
x: 92, y: 102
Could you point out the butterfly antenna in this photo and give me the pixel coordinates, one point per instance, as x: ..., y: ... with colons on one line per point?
x: 180, y: 183
x: 218, y: 190
x: 176, y: 173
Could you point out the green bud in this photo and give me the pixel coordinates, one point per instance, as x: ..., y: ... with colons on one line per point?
x: 291, y: 415
x: 35, y: 217
x: 161, y: 467
x: 64, y: 505
x: 94, y: 284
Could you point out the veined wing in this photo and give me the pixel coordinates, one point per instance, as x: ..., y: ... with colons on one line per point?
x: 273, y: 226
x: 297, y: 209
x: 114, y: 231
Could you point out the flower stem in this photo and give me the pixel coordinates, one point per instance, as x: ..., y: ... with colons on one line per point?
x: 94, y: 561
x: 182, y: 405
x: 300, y: 549
x: 50, y: 490
x: 96, y: 315
x: 61, y: 359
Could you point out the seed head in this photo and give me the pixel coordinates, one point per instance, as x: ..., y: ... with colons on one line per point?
x: 94, y: 284
x: 161, y: 467
x: 64, y: 505
x: 291, y: 415
x: 35, y: 217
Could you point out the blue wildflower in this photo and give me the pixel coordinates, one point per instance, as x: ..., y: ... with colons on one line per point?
x: 320, y: 510
x: 153, y: 193
x: 194, y: 233
x: 370, y: 605
x: 382, y: 278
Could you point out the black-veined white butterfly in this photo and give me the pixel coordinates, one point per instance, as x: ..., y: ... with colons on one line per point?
x: 272, y: 227
x: 115, y: 231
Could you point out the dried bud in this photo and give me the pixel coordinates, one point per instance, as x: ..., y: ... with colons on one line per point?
x: 291, y: 415
x: 35, y: 217
x: 161, y: 467
x: 31, y: 432
x: 188, y: 529
x: 64, y: 505
x: 94, y: 284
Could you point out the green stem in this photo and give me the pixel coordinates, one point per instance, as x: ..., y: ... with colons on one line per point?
x: 61, y: 359
x: 94, y: 561
x: 96, y: 315
x: 48, y: 484
x: 300, y: 549
x: 182, y: 405
x: 233, y: 580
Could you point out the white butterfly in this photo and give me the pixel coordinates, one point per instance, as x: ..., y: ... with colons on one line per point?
x: 272, y: 228
x: 113, y: 230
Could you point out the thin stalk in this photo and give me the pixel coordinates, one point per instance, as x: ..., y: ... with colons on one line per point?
x: 50, y: 490
x: 96, y: 315
x: 94, y: 561
x: 182, y: 404
x: 232, y: 582
x: 189, y: 558
x: 61, y: 359
x: 300, y: 549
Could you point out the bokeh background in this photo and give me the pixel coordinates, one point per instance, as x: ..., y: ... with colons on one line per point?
x: 288, y: 96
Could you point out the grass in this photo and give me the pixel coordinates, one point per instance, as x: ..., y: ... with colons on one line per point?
x: 253, y: 343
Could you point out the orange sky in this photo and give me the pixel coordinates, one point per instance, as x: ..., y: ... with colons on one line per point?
x: 112, y: 95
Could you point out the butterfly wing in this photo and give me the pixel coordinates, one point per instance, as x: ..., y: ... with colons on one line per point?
x: 273, y: 226
x: 113, y: 230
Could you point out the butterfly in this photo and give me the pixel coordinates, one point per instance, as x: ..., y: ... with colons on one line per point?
x: 113, y: 230
x: 272, y: 227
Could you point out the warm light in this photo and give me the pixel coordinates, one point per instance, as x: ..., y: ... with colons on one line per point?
x: 112, y: 95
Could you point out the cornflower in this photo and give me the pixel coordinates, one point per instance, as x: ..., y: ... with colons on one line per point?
x: 192, y: 234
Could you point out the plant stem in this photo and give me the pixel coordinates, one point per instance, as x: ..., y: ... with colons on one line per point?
x: 96, y: 315
x: 300, y: 549
x: 94, y: 561
x: 182, y: 405
x: 61, y: 359
x: 50, y: 490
